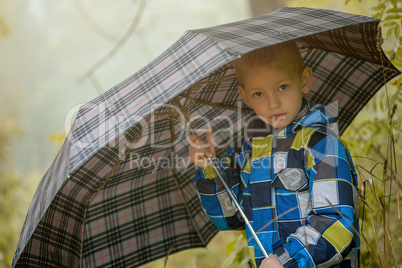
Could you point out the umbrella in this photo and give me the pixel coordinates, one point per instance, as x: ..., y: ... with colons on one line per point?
x: 120, y: 193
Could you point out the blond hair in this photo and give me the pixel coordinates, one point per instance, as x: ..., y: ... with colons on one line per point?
x: 287, y: 53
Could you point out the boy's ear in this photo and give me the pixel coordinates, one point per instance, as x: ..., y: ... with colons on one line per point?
x: 243, y: 94
x: 307, y: 80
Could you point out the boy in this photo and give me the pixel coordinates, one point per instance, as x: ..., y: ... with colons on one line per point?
x: 293, y: 177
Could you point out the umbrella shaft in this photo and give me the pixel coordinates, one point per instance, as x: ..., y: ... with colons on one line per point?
x: 234, y: 199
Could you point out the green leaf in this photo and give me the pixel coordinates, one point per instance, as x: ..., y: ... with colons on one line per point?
x: 377, y: 15
x: 397, y: 63
x: 394, y: 3
x: 245, y: 257
x: 389, y: 32
x: 380, y: 7
x: 229, y: 246
x: 392, y: 17
x: 397, y: 96
x: 397, y: 31
x: 398, y: 55
x: 229, y: 261
x: 389, y: 23
x: 394, y: 10
x: 236, y: 251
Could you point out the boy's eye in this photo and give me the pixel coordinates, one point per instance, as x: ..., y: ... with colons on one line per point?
x: 283, y: 87
x: 258, y: 94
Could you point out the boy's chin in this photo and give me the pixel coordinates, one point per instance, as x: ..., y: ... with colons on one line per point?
x: 279, y: 124
x: 276, y: 125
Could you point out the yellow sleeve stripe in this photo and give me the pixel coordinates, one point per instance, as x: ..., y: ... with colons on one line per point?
x: 339, y: 236
x: 209, y: 173
x: 252, y: 255
x: 261, y: 147
x: 301, y: 140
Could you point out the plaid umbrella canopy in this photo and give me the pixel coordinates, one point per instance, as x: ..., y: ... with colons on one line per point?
x: 119, y: 194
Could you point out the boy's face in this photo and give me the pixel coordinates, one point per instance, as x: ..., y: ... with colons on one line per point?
x: 275, y: 94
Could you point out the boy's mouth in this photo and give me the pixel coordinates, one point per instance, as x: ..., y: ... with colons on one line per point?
x: 277, y: 117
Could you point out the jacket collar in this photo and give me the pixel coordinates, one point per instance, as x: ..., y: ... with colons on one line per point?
x: 310, y: 114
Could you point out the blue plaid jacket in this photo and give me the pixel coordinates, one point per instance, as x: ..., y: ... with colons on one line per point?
x: 297, y: 187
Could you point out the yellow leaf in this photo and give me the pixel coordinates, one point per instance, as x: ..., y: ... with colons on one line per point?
x: 4, y: 29
x: 57, y: 138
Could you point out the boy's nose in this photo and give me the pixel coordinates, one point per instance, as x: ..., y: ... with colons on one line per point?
x: 273, y: 101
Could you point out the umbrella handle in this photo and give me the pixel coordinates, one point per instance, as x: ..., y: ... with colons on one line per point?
x: 234, y: 199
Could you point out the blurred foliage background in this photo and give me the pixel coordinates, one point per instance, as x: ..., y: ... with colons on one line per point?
x: 56, y: 55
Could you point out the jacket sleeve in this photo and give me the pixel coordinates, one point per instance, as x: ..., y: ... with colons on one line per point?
x: 328, y: 234
x: 214, y: 198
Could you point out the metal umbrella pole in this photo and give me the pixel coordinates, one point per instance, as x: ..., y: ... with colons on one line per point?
x: 191, y: 130
x: 234, y: 199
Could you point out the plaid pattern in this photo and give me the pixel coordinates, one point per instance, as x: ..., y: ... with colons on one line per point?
x: 297, y: 188
x: 95, y: 207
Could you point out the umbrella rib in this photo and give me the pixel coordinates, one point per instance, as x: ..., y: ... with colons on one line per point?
x: 203, y: 85
x: 307, y: 48
x: 188, y: 96
x: 173, y: 133
x: 216, y: 80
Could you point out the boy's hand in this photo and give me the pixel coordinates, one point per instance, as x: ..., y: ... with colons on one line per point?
x: 199, y: 150
x: 271, y: 262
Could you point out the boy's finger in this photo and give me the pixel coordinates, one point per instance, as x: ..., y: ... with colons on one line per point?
x: 209, y: 135
x: 198, y: 158
x: 208, y: 154
x: 195, y: 139
x: 200, y: 153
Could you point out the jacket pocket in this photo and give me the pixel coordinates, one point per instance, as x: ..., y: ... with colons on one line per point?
x: 292, y: 179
